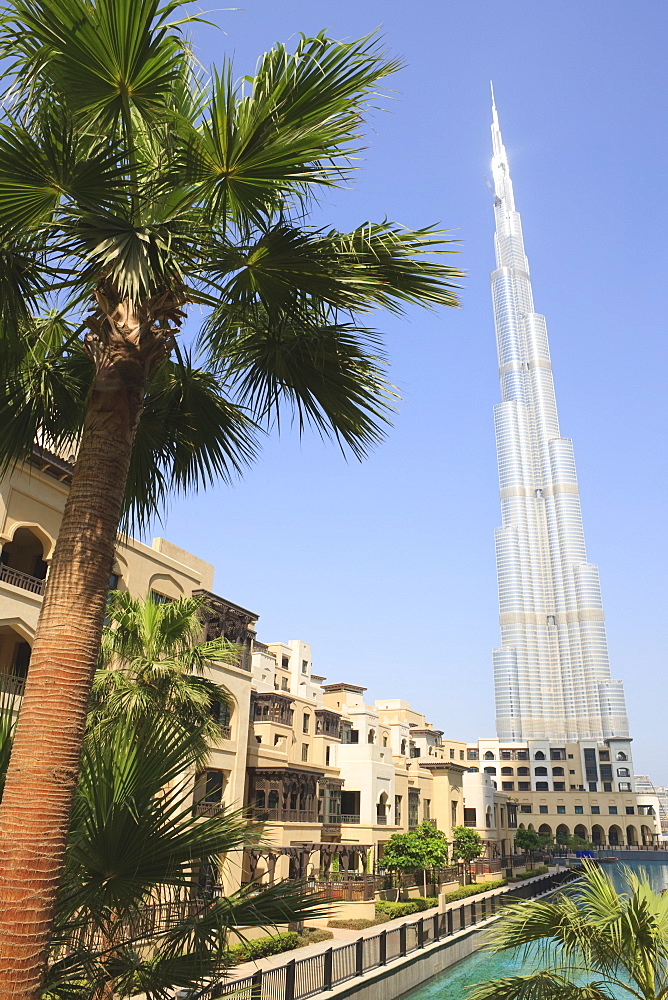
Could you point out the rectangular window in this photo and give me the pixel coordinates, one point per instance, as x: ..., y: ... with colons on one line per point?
x: 453, y: 816
x: 630, y: 810
x: 561, y: 810
x: 579, y: 810
x: 607, y: 786
x: 397, y: 810
x: 469, y: 817
x: 304, y: 666
x: 461, y: 755
x: 523, y: 786
x: 612, y: 810
x: 542, y: 809
x: 354, y: 736
x: 285, y: 662
x: 526, y: 809
x: 606, y: 772
x: 452, y: 753
x: 284, y: 684
x: 593, y: 787
x: 426, y: 809
x: 471, y: 754
x: 542, y: 786
x: 559, y: 786
x: 596, y: 810
x: 413, y: 808
x: 304, y: 751
x: 604, y: 755
x: 327, y: 754
x: 305, y: 722
x: 508, y: 786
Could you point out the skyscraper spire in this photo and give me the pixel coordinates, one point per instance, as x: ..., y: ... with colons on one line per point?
x: 551, y: 673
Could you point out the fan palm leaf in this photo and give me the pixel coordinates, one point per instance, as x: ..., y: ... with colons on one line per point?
x: 132, y: 189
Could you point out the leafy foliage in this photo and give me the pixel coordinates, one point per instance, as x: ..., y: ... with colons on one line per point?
x: 132, y: 179
x: 589, y: 931
x: 527, y: 840
x: 152, y: 660
x: 467, y: 843
x: 421, y: 849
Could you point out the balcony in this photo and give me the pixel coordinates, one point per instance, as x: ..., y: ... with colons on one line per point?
x: 349, y: 818
x: 17, y: 578
x: 208, y: 808
x: 381, y: 820
x: 12, y: 685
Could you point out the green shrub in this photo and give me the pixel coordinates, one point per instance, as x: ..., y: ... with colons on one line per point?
x: 402, y: 909
x: 313, y: 935
x: 520, y: 876
x: 273, y: 944
x: 473, y: 890
x: 359, y: 923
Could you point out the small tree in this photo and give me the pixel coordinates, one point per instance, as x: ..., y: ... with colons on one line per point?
x: 467, y: 845
x: 422, y: 849
x: 527, y: 841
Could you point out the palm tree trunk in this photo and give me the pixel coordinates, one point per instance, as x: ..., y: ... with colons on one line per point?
x: 42, y: 776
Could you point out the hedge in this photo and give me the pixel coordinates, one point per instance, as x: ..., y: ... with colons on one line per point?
x: 274, y: 944
x: 520, y: 876
x: 358, y: 923
x: 404, y: 908
x: 473, y: 890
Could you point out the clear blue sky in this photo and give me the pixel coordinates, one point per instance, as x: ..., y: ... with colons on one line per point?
x: 387, y: 568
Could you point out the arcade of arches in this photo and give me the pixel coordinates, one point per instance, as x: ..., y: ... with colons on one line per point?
x: 601, y: 834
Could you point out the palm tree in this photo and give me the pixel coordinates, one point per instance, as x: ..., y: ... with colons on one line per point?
x: 589, y: 943
x: 153, y: 660
x: 132, y: 915
x: 134, y: 188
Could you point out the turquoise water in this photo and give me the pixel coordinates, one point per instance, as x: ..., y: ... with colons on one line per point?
x: 453, y: 984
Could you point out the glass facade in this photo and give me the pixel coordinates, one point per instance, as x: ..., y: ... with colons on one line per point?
x: 551, y: 672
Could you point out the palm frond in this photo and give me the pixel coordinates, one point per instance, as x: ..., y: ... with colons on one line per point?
x: 544, y: 985
x: 191, y: 435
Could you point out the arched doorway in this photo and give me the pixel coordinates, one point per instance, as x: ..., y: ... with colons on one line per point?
x: 545, y: 830
x: 14, y: 659
x: 580, y: 832
x: 22, y: 561
x: 646, y: 835
x: 614, y: 836
x: 597, y: 835
x: 381, y: 809
x: 562, y: 834
x: 631, y: 836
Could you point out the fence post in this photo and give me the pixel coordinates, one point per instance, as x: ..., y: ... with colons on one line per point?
x: 420, y: 930
x: 327, y: 969
x: 402, y: 940
x: 437, y: 927
x: 451, y: 928
x: 462, y: 916
x: 256, y: 988
x: 472, y: 911
x: 492, y: 905
x: 290, y: 980
x: 483, y: 908
x: 359, y: 959
x: 382, y: 947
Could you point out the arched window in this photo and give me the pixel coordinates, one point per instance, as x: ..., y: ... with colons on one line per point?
x: 623, y: 772
x: 539, y: 755
x: 272, y: 801
x: 371, y: 738
x: 259, y: 799
x: 489, y: 770
x: 621, y: 756
x: 556, y: 771
x: 507, y: 770
x: 403, y: 748
x: 523, y: 771
x: 489, y: 755
x: 541, y: 770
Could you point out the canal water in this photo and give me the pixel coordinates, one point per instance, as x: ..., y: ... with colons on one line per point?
x: 453, y: 984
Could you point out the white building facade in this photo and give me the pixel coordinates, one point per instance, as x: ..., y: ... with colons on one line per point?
x: 552, y: 676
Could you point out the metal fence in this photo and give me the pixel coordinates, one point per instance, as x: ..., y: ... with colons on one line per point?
x: 303, y: 978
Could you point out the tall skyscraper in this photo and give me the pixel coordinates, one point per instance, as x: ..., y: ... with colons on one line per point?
x: 552, y: 676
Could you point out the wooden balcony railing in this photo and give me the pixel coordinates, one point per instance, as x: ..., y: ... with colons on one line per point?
x: 208, y: 808
x: 348, y: 818
x: 18, y: 578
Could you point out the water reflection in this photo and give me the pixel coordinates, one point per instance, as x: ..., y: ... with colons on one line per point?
x: 453, y: 984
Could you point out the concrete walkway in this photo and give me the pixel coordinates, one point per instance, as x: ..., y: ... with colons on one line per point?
x: 342, y: 936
